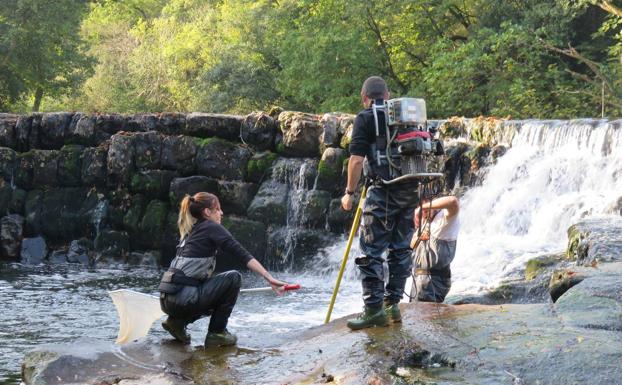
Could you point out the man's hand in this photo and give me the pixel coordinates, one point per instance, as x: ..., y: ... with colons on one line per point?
x: 346, y: 202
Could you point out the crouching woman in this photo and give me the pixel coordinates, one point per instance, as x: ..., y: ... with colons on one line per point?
x: 188, y: 289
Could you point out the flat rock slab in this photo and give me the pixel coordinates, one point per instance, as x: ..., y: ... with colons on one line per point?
x: 462, y: 344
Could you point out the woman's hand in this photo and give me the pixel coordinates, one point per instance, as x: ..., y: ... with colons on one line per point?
x: 277, y: 286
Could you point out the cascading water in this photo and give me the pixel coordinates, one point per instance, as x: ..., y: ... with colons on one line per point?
x: 555, y: 173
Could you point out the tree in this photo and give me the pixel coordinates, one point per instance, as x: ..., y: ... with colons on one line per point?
x: 40, y: 49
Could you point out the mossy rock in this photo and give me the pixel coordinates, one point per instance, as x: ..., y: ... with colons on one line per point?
x: 18, y: 198
x: 577, y: 248
x: 259, y: 166
x: 134, y: 214
x: 6, y: 193
x: 45, y: 168
x: 153, y: 183
x: 220, y: 159
x: 330, y: 170
x: 7, y: 163
x: 70, y: 165
x: 151, y: 228
x: 270, y: 203
x: 32, y: 212
x: 251, y: 234
x: 112, y: 244
x: 94, y: 169
x: 148, y: 147
x: 315, y: 208
x: 25, y: 164
x: 536, y: 265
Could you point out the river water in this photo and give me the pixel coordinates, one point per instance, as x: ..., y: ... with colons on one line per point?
x: 555, y: 173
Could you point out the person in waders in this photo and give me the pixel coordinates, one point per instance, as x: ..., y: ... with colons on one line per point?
x: 387, y: 213
x: 434, y: 247
x: 188, y: 289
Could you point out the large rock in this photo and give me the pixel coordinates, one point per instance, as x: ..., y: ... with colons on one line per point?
x: 148, y: 149
x: 134, y: 214
x: 110, y: 244
x: 94, y: 166
x: 330, y: 170
x: 178, y: 154
x: 34, y: 250
x: 7, y: 130
x: 190, y: 186
x: 84, y: 129
x: 6, y: 193
x: 7, y: 164
x: 153, y: 183
x: 235, y: 197
x: 595, y: 240
x: 32, y: 212
x: 339, y: 220
x: 27, y: 132
x: 152, y: 225
x: 457, y: 165
x: 251, y: 234
x: 141, y: 122
x: 79, y: 251
x: 259, y: 166
x: 18, y: 199
x: 110, y: 123
x: 70, y: 165
x: 54, y: 131
x: 45, y: 171
x: 301, y: 134
x: 11, y: 234
x: 171, y: 123
x: 294, y: 247
x: 208, y: 125
x: 270, y: 203
x: 314, y: 208
x: 121, y: 158
x: 220, y: 159
x: 24, y: 169
x: 259, y: 130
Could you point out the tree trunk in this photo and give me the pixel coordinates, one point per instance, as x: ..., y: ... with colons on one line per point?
x: 38, y: 97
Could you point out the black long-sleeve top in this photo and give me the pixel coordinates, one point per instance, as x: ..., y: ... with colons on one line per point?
x: 207, y: 236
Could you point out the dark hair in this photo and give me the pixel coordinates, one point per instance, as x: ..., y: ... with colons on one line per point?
x: 374, y: 87
x: 191, y: 208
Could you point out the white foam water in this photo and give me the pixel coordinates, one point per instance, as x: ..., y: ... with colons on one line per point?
x: 555, y: 173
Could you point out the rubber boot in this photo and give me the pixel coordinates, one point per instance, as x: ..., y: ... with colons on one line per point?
x: 223, y: 338
x: 393, y: 311
x: 177, y: 328
x: 369, y: 318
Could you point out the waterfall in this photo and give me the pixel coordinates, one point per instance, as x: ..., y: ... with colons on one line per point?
x: 554, y: 174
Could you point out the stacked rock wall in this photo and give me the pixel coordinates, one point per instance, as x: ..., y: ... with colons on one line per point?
x: 108, y: 186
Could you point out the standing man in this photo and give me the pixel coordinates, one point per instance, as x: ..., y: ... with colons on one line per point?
x: 387, y: 213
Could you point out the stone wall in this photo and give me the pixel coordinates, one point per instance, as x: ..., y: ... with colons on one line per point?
x: 87, y: 188
x: 106, y: 187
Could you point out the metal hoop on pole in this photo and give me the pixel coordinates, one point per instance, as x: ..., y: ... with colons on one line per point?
x: 353, y: 230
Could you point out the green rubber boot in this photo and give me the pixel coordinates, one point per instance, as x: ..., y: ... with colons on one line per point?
x: 369, y: 318
x: 177, y: 328
x: 393, y: 311
x: 223, y: 338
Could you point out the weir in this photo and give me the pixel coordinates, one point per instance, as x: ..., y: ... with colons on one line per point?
x: 553, y: 174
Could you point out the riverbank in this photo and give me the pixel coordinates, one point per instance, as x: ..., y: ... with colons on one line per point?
x: 576, y: 339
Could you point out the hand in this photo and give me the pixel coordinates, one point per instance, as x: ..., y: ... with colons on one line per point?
x: 277, y: 286
x: 346, y: 202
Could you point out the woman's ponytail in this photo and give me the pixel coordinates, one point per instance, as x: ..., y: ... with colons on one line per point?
x: 185, y: 219
x: 191, y: 208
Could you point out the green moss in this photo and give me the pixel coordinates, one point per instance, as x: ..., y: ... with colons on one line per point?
x: 202, y: 142
x: 153, y: 220
x: 261, y: 165
x: 280, y: 148
x: 503, y: 292
x: 574, y: 240
x: 535, y: 266
x: 326, y: 171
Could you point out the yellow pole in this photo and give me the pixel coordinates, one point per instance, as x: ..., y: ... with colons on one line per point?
x: 355, y: 226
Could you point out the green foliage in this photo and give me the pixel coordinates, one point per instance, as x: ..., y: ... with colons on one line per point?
x: 40, y: 51
x: 532, y: 58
